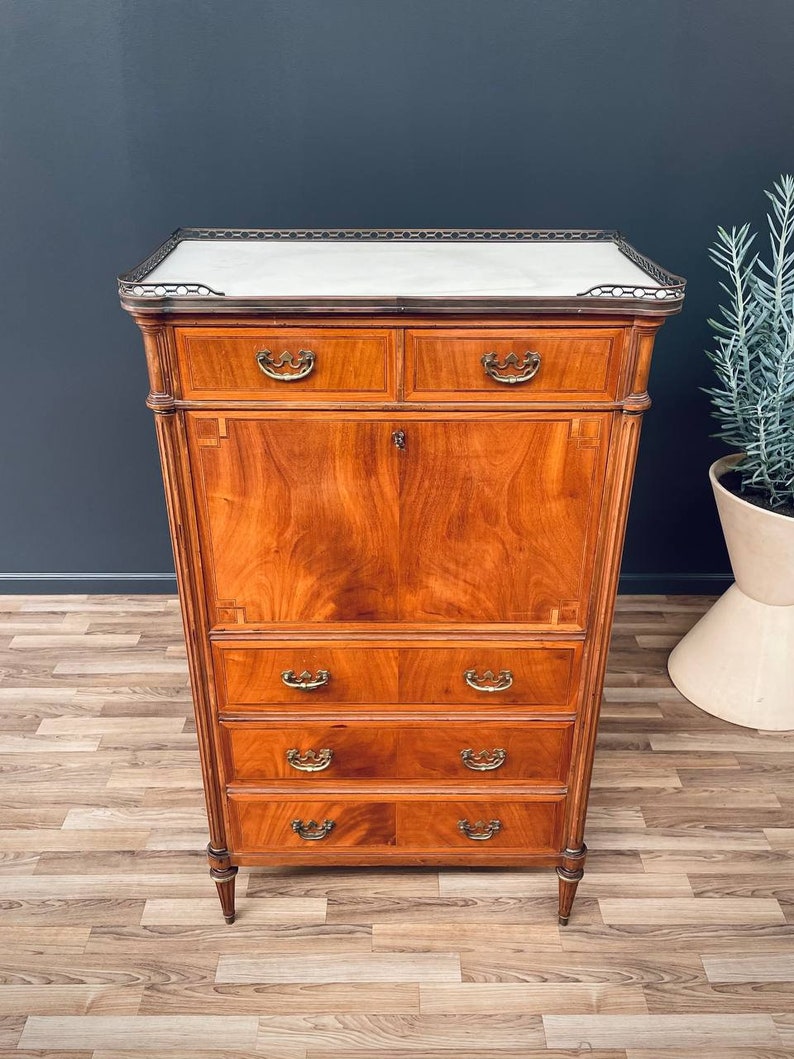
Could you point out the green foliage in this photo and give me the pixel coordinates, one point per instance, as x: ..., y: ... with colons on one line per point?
x: 754, y: 355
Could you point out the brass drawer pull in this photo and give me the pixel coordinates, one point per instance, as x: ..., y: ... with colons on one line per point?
x: 480, y: 831
x: 305, y: 681
x: 526, y: 369
x: 485, y: 761
x: 286, y: 368
x: 312, y: 831
x: 310, y: 761
x: 488, y: 682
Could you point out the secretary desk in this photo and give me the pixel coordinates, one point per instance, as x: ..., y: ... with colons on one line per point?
x: 397, y: 467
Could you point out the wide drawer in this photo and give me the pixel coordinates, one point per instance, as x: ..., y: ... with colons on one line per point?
x: 322, y: 826
x: 513, y: 365
x: 534, y: 752
x: 285, y: 364
x: 315, y: 673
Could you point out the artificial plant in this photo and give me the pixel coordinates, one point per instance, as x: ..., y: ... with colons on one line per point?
x: 754, y: 352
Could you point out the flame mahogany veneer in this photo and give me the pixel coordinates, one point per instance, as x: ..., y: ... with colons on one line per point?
x: 397, y: 574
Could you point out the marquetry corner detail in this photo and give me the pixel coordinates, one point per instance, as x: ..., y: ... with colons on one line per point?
x: 585, y: 432
x: 228, y: 613
x: 210, y: 432
x: 565, y: 613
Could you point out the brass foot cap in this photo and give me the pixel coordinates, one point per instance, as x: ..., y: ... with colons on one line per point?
x: 563, y: 921
x: 230, y: 919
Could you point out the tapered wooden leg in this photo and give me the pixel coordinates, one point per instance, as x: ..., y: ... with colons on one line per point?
x: 223, y: 873
x: 569, y: 873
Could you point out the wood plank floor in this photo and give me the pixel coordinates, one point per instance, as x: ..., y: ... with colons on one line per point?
x: 681, y: 942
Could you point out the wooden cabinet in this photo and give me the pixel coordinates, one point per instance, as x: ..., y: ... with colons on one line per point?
x: 397, y: 468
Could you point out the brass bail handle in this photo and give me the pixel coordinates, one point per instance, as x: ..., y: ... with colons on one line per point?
x: 485, y: 760
x: 286, y: 367
x: 311, y: 831
x: 311, y: 761
x: 305, y: 681
x: 481, y: 830
x: 513, y: 371
x: 489, y: 682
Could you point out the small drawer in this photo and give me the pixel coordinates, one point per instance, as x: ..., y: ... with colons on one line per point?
x: 509, y: 366
x: 306, y: 674
x: 260, y: 823
x: 492, y: 674
x: 311, y: 753
x: 481, y: 825
x: 285, y: 364
x: 536, y: 752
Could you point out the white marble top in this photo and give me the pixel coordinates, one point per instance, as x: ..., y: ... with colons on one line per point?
x: 276, y: 269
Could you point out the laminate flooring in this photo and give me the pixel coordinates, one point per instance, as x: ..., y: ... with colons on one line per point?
x: 680, y: 945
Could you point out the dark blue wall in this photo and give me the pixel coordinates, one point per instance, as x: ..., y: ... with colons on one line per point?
x: 122, y: 120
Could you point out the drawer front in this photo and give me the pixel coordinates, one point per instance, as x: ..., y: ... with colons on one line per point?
x: 336, y: 823
x: 316, y: 825
x: 317, y: 673
x: 537, y: 752
x: 481, y: 825
x: 249, y: 677
x: 565, y: 364
x: 308, y: 753
x: 285, y: 364
x: 487, y: 674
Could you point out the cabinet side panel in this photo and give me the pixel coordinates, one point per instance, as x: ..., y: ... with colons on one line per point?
x: 621, y: 462
x: 622, y: 458
x: 172, y: 446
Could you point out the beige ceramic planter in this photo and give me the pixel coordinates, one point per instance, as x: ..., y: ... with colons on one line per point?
x: 737, y: 663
